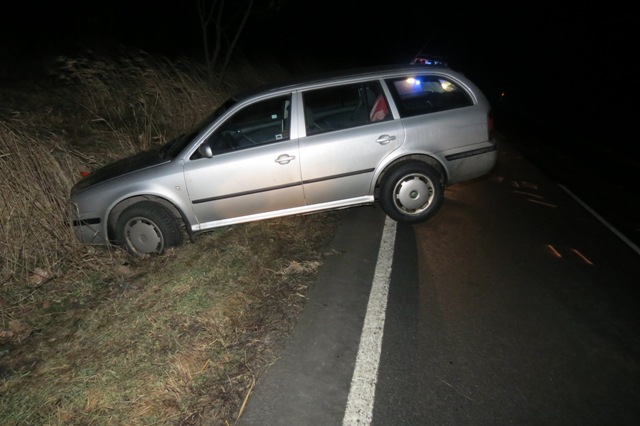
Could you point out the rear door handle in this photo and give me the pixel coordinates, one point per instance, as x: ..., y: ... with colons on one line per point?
x: 285, y: 158
x: 385, y: 139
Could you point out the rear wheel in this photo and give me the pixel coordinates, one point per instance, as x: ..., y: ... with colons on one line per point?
x: 148, y: 228
x: 412, y: 193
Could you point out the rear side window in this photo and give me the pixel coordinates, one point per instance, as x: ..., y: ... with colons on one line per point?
x: 342, y: 107
x: 426, y: 94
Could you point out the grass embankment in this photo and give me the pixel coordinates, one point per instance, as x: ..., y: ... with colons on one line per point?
x: 90, y: 336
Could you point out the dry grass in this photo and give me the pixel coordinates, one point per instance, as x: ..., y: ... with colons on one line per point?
x: 174, y: 339
x: 89, y: 336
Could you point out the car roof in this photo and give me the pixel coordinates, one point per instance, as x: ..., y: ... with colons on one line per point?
x: 336, y: 76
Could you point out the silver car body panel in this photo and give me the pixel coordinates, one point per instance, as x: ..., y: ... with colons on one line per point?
x: 303, y: 174
x: 341, y: 204
x: 164, y: 181
x: 244, y: 183
x: 341, y: 165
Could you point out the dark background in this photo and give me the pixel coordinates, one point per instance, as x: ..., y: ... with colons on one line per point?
x: 562, y: 65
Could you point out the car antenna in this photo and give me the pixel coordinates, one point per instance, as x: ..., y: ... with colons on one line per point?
x: 424, y: 46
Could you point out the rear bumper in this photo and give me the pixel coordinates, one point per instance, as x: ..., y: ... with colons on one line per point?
x: 471, y: 163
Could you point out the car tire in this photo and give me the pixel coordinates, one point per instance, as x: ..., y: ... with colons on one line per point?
x: 148, y: 228
x: 412, y: 192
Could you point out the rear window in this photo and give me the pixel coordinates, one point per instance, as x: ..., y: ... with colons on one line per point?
x: 426, y: 94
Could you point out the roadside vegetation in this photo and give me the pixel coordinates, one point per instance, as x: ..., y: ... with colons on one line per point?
x: 91, y: 336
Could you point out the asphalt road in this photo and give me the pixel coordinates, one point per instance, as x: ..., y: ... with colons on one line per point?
x: 514, y: 305
x: 524, y: 310
x: 310, y: 383
x: 598, y: 166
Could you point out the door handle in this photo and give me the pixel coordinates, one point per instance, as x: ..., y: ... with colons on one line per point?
x: 385, y: 139
x: 285, y: 158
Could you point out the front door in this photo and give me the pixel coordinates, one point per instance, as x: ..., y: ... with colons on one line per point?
x: 254, y: 169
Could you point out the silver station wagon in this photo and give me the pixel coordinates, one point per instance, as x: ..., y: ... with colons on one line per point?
x: 394, y: 135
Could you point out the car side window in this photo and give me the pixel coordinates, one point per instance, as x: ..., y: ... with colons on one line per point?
x: 342, y: 107
x: 426, y: 94
x: 259, y: 123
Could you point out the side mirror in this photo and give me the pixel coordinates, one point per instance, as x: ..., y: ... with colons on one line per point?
x: 205, y: 150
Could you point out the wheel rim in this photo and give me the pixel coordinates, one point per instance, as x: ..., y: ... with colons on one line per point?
x: 144, y: 236
x: 413, y: 194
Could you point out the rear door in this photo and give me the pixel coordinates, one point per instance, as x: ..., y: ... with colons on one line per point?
x: 350, y: 129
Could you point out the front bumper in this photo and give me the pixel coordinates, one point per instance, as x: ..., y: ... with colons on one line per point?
x: 88, y: 230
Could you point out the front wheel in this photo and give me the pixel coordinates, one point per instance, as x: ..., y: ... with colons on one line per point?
x: 147, y: 228
x: 412, y: 193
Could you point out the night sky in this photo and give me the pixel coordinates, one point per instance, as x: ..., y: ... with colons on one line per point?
x: 476, y: 35
x: 564, y: 57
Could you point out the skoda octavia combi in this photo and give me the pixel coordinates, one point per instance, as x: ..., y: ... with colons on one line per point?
x: 396, y: 136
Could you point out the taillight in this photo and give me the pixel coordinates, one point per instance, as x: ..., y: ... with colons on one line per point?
x: 490, y: 125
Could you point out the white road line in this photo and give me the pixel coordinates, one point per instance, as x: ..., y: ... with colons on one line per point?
x: 365, y: 375
x: 619, y: 234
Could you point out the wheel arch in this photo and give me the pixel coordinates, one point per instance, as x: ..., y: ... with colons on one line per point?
x: 117, y: 210
x: 422, y: 158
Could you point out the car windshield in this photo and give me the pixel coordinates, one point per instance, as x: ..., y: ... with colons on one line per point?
x: 172, y: 148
